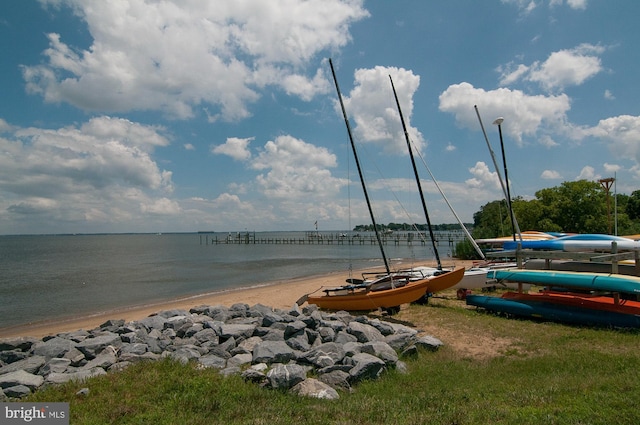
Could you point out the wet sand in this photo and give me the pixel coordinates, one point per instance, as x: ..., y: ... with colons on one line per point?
x: 280, y: 294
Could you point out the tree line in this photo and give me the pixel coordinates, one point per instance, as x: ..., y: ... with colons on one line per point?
x: 406, y: 227
x: 573, y: 207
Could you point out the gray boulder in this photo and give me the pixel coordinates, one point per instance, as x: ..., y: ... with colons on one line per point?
x: 20, y: 343
x: 285, y: 376
x: 54, y: 347
x: 17, y: 391
x: 323, y: 355
x: 20, y: 377
x: 273, y: 352
x: 211, y: 360
x: 91, y: 347
x: 364, y: 332
x: 366, y: 366
x: 382, y: 350
x: 314, y: 388
x: 428, y: 342
x: 79, y: 376
x: 30, y: 364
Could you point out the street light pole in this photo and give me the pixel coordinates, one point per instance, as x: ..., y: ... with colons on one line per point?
x: 498, y: 122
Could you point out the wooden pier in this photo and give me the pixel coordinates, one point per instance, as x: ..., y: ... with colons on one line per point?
x: 311, y: 238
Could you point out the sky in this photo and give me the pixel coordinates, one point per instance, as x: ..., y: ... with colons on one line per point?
x: 192, y: 115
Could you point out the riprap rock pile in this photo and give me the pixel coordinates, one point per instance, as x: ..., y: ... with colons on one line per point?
x: 272, y: 347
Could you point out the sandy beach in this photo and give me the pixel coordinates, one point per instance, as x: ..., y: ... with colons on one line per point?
x: 280, y: 294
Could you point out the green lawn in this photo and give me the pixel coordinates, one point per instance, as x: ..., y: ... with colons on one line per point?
x: 540, y: 373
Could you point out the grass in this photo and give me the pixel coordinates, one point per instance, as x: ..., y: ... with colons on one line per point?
x: 540, y: 373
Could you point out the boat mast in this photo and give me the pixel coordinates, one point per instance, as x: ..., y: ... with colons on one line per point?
x: 514, y: 221
x: 355, y: 155
x: 415, y: 171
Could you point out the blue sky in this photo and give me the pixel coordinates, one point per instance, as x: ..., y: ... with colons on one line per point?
x: 149, y: 116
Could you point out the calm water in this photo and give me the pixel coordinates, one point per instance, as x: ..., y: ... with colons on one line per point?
x: 52, y: 277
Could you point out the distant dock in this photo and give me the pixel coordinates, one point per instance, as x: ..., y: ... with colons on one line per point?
x: 313, y: 238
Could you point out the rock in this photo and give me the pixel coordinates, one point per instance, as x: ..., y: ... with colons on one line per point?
x: 104, y: 360
x: 273, y: 352
x: 30, y: 364
x: 79, y: 376
x: 54, y: 347
x: 57, y: 365
x: 236, y: 331
x: 12, y: 356
x: 399, y: 341
x: 91, y: 347
x: 83, y: 391
x: 20, y: 343
x: 382, y: 350
x: 137, y: 348
x: 20, y: 377
x: 294, y: 329
x: 336, y: 379
x: 341, y: 349
x: 3, y: 396
x: 299, y: 342
x: 364, y: 332
x: 324, y: 355
x: 184, y: 354
x: 254, y: 375
x: 153, y: 322
x: 17, y: 391
x: 285, y: 376
x: 428, y: 342
x: 314, y: 388
x: 239, y: 360
x: 365, y: 366
x: 214, y: 361
x: 410, y: 351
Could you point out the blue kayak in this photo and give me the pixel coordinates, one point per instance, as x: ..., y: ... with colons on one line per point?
x: 573, y: 280
x: 555, y: 312
x: 576, y: 243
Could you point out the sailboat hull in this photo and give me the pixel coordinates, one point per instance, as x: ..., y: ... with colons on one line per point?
x: 365, y: 300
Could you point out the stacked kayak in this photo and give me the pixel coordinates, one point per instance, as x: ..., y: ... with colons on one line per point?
x: 593, y: 299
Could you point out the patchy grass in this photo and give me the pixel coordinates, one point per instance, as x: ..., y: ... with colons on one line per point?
x: 492, y: 370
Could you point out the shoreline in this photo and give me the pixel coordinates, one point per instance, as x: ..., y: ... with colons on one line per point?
x: 276, y: 294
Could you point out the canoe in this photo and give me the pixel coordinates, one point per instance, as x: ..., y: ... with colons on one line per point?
x: 576, y: 243
x: 573, y: 280
x: 554, y: 312
x: 590, y: 301
x: 362, y: 298
x: 626, y: 267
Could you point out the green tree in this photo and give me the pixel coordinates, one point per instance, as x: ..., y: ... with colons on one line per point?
x: 576, y: 207
x: 632, y: 207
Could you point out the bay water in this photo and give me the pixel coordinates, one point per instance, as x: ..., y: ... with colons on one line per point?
x: 52, y: 277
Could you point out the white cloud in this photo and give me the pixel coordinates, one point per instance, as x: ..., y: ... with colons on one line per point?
x: 563, y: 68
x: 296, y: 170
x: 234, y: 147
x: 372, y: 107
x: 612, y: 168
x: 175, y: 56
x: 525, y: 115
x: 622, y: 133
x: 577, y: 4
x: 608, y: 95
x: 588, y: 173
x: 101, y: 170
x: 550, y: 175
x: 483, y: 177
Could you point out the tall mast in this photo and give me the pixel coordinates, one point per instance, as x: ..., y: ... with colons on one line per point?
x: 415, y: 172
x: 355, y: 155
